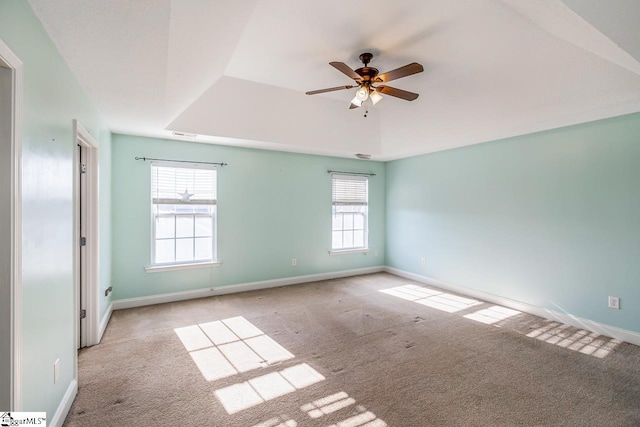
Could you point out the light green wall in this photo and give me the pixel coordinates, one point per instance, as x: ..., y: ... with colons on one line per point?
x: 52, y: 99
x: 550, y: 219
x: 272, y: 206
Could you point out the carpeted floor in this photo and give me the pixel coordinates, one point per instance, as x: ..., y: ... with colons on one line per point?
x: 374, y: 350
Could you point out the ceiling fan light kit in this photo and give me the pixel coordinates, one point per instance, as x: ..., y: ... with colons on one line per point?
x: 375, y: 97
x: 362, y: 94
x: 367, y: 77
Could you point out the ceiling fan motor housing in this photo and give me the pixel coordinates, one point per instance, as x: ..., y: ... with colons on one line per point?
x: 367, y: 73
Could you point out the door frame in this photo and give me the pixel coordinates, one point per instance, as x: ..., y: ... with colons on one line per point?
x: 91, y: 285
x: 15, y: 280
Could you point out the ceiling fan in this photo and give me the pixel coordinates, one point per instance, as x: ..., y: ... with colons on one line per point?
x: 366, y: 79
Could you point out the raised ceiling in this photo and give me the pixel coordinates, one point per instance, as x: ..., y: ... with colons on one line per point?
x: 235, y: 71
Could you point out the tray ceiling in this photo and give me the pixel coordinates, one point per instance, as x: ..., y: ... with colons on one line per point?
x: 235, y: 72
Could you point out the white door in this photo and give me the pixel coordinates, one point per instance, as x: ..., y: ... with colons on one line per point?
x: 81, y: 204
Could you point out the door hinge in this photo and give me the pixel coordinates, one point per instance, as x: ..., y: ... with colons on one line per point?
x: 83, y: 168
x: 83, y: 241
x: 83, y: 313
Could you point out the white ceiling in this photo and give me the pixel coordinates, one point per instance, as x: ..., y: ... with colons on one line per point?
x: 235, y: 71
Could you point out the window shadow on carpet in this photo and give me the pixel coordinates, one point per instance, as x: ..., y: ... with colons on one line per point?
x: 551, y: 332
x: 228, y: 347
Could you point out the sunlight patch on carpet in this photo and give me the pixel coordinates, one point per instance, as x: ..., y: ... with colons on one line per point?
x: 241, y: 356
x: 548, y: 331
x: 268, y: 349
x: 278, y: 422
x: 337, y: 402
x: 411, y: 292
x: 242, y: 327
x: 238, y: 397
x: 431, y: 298
x: 241, y: 396
x: 328, y: 405
x: 193, y: 338
x: 449, y: 303
x: 223, y: 348
x: 212, y: 364
x: 366, y: 419
x: 579, y: 340
x: 492, y: 314
x: 302, y: 375
x: 218, y: 332
x: 272, y: 385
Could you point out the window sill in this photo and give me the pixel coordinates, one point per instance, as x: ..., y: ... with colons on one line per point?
x: 349, y: 251
x: 192, y: 266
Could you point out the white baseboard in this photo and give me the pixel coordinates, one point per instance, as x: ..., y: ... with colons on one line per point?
x: 568, y: 319
x: 244, y: 287
x: 105, y: 321
x: 65, y: 405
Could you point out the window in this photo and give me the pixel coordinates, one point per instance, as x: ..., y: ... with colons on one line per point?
x: 184, y: 213
x: 350, y: 198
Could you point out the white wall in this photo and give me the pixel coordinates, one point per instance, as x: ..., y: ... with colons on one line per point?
x: 235, y: 108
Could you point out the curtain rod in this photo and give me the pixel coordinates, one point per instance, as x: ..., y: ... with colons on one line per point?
x: 353, y: 173
x: 181, y: 161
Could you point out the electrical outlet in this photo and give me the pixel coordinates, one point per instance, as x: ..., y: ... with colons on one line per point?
x: 614, y: 302
x: 375, y: 253
x: 423, y: 261
x: 56, y: 371
x: 294, y: 262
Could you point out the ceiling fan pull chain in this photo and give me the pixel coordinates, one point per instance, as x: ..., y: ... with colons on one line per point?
x: 366, y: 112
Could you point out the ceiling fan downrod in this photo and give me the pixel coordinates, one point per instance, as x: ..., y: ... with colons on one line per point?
x: 365, y: 58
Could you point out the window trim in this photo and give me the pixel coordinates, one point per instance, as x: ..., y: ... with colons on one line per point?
x: 154, y: 267
x: 353, y: 250
x: 349, y: 251
x: 184, y: 266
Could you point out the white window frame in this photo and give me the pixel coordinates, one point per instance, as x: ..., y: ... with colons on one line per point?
x: 356, y: 249
x: 182, y: 265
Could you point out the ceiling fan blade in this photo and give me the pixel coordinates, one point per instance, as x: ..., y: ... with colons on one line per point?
x: 331, y: 89
x: 352, y: 106
x: 344, y: 68
x: 405, y: 71
x: 398, y: 93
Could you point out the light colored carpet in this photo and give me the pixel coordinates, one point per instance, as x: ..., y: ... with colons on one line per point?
x: 343, y: 353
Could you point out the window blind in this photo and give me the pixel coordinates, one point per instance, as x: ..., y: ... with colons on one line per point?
x: 169, y: 184
x: 350, y: 190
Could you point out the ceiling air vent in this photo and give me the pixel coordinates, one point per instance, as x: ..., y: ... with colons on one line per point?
x: 363, y: 156
x: 185, y: 135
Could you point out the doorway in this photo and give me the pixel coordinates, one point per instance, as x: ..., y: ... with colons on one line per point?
x: 86, y: 237
x: 81, y: 207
